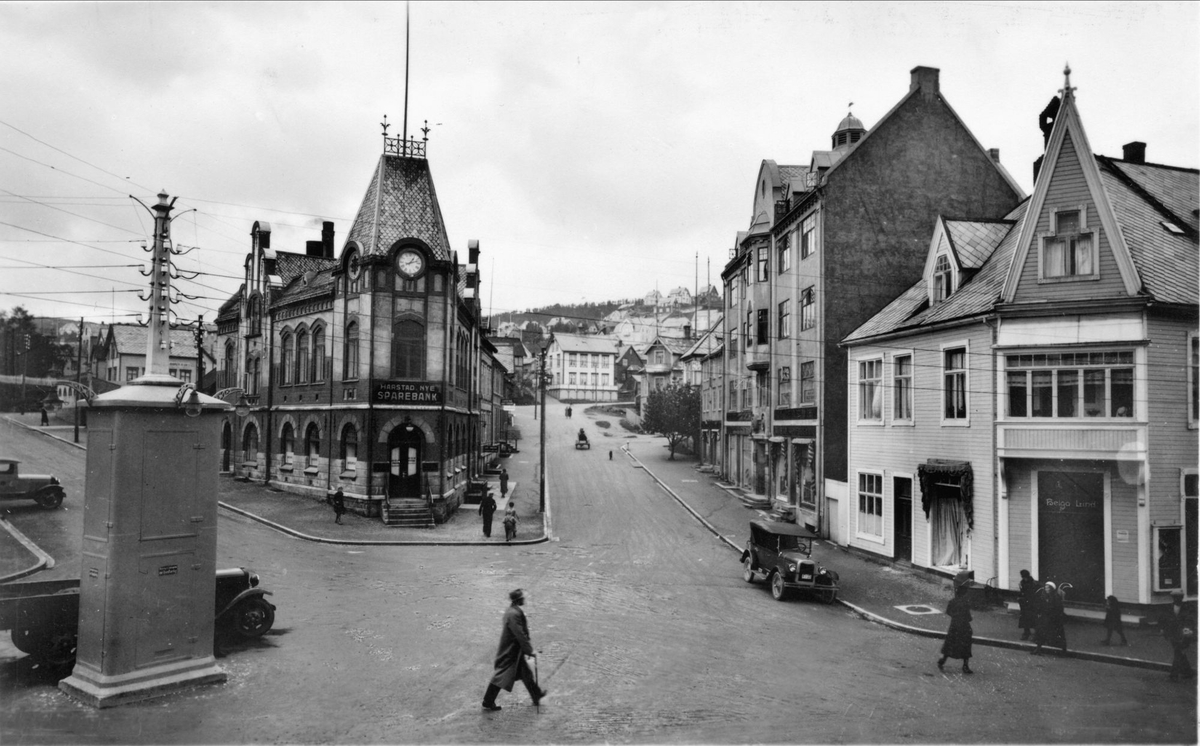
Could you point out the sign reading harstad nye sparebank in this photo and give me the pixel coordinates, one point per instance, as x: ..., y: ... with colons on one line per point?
x: 406, y: 392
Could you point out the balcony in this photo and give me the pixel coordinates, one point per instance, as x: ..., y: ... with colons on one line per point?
x: 758, y: 357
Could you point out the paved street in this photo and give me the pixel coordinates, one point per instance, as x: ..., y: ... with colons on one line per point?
x: 647, y: 632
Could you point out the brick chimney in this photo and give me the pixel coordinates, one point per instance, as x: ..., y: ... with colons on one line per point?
x: 926, y: 80
x: 1135, y: 152
x: 327, y: 239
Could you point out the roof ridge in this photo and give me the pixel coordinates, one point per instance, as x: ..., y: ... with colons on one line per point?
x: 1152, y: 165
x: 1145, y: 195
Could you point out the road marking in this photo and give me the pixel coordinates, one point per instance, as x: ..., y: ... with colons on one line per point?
x: 917, y: 610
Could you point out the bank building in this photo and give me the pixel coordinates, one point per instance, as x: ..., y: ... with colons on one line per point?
x: 367, y: 368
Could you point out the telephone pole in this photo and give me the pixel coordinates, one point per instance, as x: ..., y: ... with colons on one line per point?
x: 78, y: 376
x: 542, y: 437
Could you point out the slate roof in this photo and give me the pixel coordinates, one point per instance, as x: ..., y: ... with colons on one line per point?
x: 1167, y: 263
x: 131, y: 340
x: 591, y: 343
x: 321, y: 283
x: 974, y: 241
x: 402, y: 189
x: 289, y: 266
x: 977, y: 296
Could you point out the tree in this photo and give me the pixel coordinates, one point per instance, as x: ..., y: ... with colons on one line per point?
x: 674, y: 413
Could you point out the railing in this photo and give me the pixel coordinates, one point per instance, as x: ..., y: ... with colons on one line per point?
x: 409, y: 148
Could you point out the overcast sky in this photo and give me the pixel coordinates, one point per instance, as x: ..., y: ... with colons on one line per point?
x: 597, y: 151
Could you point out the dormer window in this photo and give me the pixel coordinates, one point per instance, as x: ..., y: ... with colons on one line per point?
x: 943, y: 279
x: 1068, y: 252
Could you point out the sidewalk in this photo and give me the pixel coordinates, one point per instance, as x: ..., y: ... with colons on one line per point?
x: 904, y: 599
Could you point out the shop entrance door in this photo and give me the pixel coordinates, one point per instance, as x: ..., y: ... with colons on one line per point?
x: 1071, y: 532
x: 902, y: 493
x: 404, y: 467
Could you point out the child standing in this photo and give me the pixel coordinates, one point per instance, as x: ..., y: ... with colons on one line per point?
x: 510, y: 522
x: 1112, y: 621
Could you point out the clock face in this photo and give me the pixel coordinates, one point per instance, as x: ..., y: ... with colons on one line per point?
x: 410, y: 263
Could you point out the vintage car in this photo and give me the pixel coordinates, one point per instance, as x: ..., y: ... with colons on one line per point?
x: 782, y: 553
x: 581, y: 440
x: 41, y: 488
x: 43, y: 615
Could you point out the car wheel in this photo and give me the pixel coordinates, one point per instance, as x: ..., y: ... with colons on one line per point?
x: 49, y: 499
x: 253, y: 617
x: 778, y: 589
x: 829, y: 596
x: 748, y: 573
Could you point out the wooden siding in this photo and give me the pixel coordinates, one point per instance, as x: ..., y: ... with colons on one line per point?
x: 897, y: 449
x: 1068, y: 189
x: 1172, y: 444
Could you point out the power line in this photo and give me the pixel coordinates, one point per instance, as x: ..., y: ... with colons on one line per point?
x: 60, y: 150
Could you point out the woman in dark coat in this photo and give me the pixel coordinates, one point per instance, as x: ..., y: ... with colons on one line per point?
x: 1050, y: 618
x: 1027, y: 600
x: 338, y: 501
x: 510, y: 657
x: 959, y: 636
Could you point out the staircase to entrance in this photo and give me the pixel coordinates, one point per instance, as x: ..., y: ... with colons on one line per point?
x: 408, y: 513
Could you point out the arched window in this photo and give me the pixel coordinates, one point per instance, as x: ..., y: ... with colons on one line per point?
x: 252, y: 310
x: 288, y: 345
x: 229, y: 364
x: 318, y: 354
x: 349, y: 448
x: 302, y: 356
x: 287, y: 445
x: 408, y: 349
x: 350, y: 355
x: 252, y: 371
x: 250, y: 444
x: 312, y: 445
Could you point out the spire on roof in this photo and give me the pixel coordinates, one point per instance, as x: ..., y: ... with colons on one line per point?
x: 1067, y: 91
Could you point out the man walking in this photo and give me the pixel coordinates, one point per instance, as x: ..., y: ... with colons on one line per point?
x: 487, y: 508
x: 503, y: 482
x: 1179, y: 627
x: 338, y: 501
x: 510, y: 657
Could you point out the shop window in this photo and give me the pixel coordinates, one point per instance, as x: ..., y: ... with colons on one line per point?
x: 870, y: 505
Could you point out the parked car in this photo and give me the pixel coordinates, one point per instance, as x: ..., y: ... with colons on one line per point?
x: 41, y: 488
x: 782, y: 553
x: 43, y: 616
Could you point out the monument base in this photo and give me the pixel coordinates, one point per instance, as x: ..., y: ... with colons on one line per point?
x: 101, y: 690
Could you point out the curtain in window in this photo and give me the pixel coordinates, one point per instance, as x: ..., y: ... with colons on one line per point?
x: 937, y: 471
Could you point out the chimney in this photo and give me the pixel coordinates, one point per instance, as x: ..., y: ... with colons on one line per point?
x: 473, y: 251
x: 1135, y: 152
x: 994, y: 154
x: 925, y: 79
x: 327, y: 239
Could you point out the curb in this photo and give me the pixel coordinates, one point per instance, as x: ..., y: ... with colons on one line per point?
x: 901, y: 627
x: 374, y: 542
x: 46, y: 434
x: 43, y: 560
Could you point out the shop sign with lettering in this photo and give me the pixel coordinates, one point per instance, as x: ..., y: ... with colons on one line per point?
x: 406, y: 392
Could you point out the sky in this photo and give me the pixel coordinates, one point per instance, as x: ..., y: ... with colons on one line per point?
x: 596, y: 150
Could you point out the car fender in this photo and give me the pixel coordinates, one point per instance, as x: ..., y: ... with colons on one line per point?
x: 248, y: 593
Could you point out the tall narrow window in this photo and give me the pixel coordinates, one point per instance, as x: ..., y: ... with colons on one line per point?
x: 870, y: 392
x: 408, y: 349
x: 312, y: 445
x: 955, y: 386
x: 287, y: 445
x: 870, y: 504
x: 808, y: 236
x: 764, y: 327
x: 785, y: 386
x: 808, y: 309
x: 785, y: 251
x: 785, y: 320
x: 230, y: 366
x: 764, y: 255
x: 902, y: 372
x: 942, y: 278
x: 350, y: 353
x: 318, y: 354
x: 288, y: 355
x: 349, y: 448
x: 1194, y: 378
x: 808, y: 383
x: 302, y: 356
x: 250, y: 444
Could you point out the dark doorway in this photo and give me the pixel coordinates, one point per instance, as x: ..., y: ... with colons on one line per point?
x: 226, y: 446
x: 404, y: 467
x: 1071, y: 532
x: 902, y: 524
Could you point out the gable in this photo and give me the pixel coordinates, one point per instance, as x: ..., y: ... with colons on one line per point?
x: 1067, y: 188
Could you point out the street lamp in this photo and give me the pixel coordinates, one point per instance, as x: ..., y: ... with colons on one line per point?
x: 52, y: 402
x: 242, y: 407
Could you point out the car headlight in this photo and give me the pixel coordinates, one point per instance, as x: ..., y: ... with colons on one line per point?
x: 823, y: 571
x: 791, y: 568
x: 53, y: 480
x: 253, y: 580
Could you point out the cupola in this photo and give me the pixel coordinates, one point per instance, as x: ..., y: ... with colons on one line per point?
x: 848, y: 132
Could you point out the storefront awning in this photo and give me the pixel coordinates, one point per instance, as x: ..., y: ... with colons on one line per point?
x: 940, y: 471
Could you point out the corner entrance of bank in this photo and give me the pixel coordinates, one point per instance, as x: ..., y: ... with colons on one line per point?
x: 404, y: 467
x: 1071, y: 532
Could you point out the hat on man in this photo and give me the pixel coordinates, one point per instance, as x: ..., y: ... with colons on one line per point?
x: 516, y: 595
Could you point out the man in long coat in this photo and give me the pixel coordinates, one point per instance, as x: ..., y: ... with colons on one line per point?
x: 1179, y: 627
x: 487, y: 508
x: 510, y: 657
